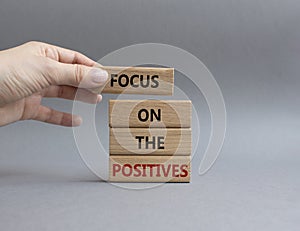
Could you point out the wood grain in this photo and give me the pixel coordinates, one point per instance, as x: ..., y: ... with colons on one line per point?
x: 132, y: 141
x: 143, y: 113
x: 161, y: 81
x: 149, y: 168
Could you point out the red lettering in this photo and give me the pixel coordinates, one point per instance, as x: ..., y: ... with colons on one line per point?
x: 175, y: 170
x: 158, y: 170
x: 116, y: 168
x: 184, y: 171
x: 144, y: 170
x: 151, y: 168
x: 166, y: 171
x: 138, y: 172
x: 124, y: 170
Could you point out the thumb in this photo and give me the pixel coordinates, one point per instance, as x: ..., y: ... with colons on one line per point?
x: 78, y: 75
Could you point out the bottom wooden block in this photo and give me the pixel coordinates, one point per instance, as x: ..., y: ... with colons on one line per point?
x: 149, y: 168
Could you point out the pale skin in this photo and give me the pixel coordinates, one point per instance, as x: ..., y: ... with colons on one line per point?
x: 35, y: 70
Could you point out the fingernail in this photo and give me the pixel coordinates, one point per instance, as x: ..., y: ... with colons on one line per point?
x: 77, y: 120
x: 98, y: 76
x: 99, y: 98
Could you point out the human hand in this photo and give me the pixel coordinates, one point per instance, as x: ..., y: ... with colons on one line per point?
x: 35, y: 70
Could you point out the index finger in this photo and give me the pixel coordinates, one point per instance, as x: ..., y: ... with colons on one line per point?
x: 68, y: 56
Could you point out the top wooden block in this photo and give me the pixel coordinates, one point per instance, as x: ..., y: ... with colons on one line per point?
x: 138, y: 80
x: 150, y: 113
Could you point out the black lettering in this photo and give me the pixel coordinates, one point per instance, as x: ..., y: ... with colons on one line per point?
x: 123, y: 76
x: 140, y: 138
x: 135, y: 80
x: 153, y: 114
x: 112, y: 79
x: 160, y: 142
x: 155, y: 82
x: 132, y: 81
x: 150, y: 142
x: 146, y: 117
x: 142, y: 81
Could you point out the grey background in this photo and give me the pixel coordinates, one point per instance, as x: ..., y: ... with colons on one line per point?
x: 253, y: 50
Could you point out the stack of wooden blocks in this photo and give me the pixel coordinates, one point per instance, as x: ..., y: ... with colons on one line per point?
x: 150, y: 140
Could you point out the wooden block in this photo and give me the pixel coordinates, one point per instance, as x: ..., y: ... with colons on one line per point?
x: 150, y: 141
x: 149, y: 168
x: 150, y: 113
x: 138, y: 80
